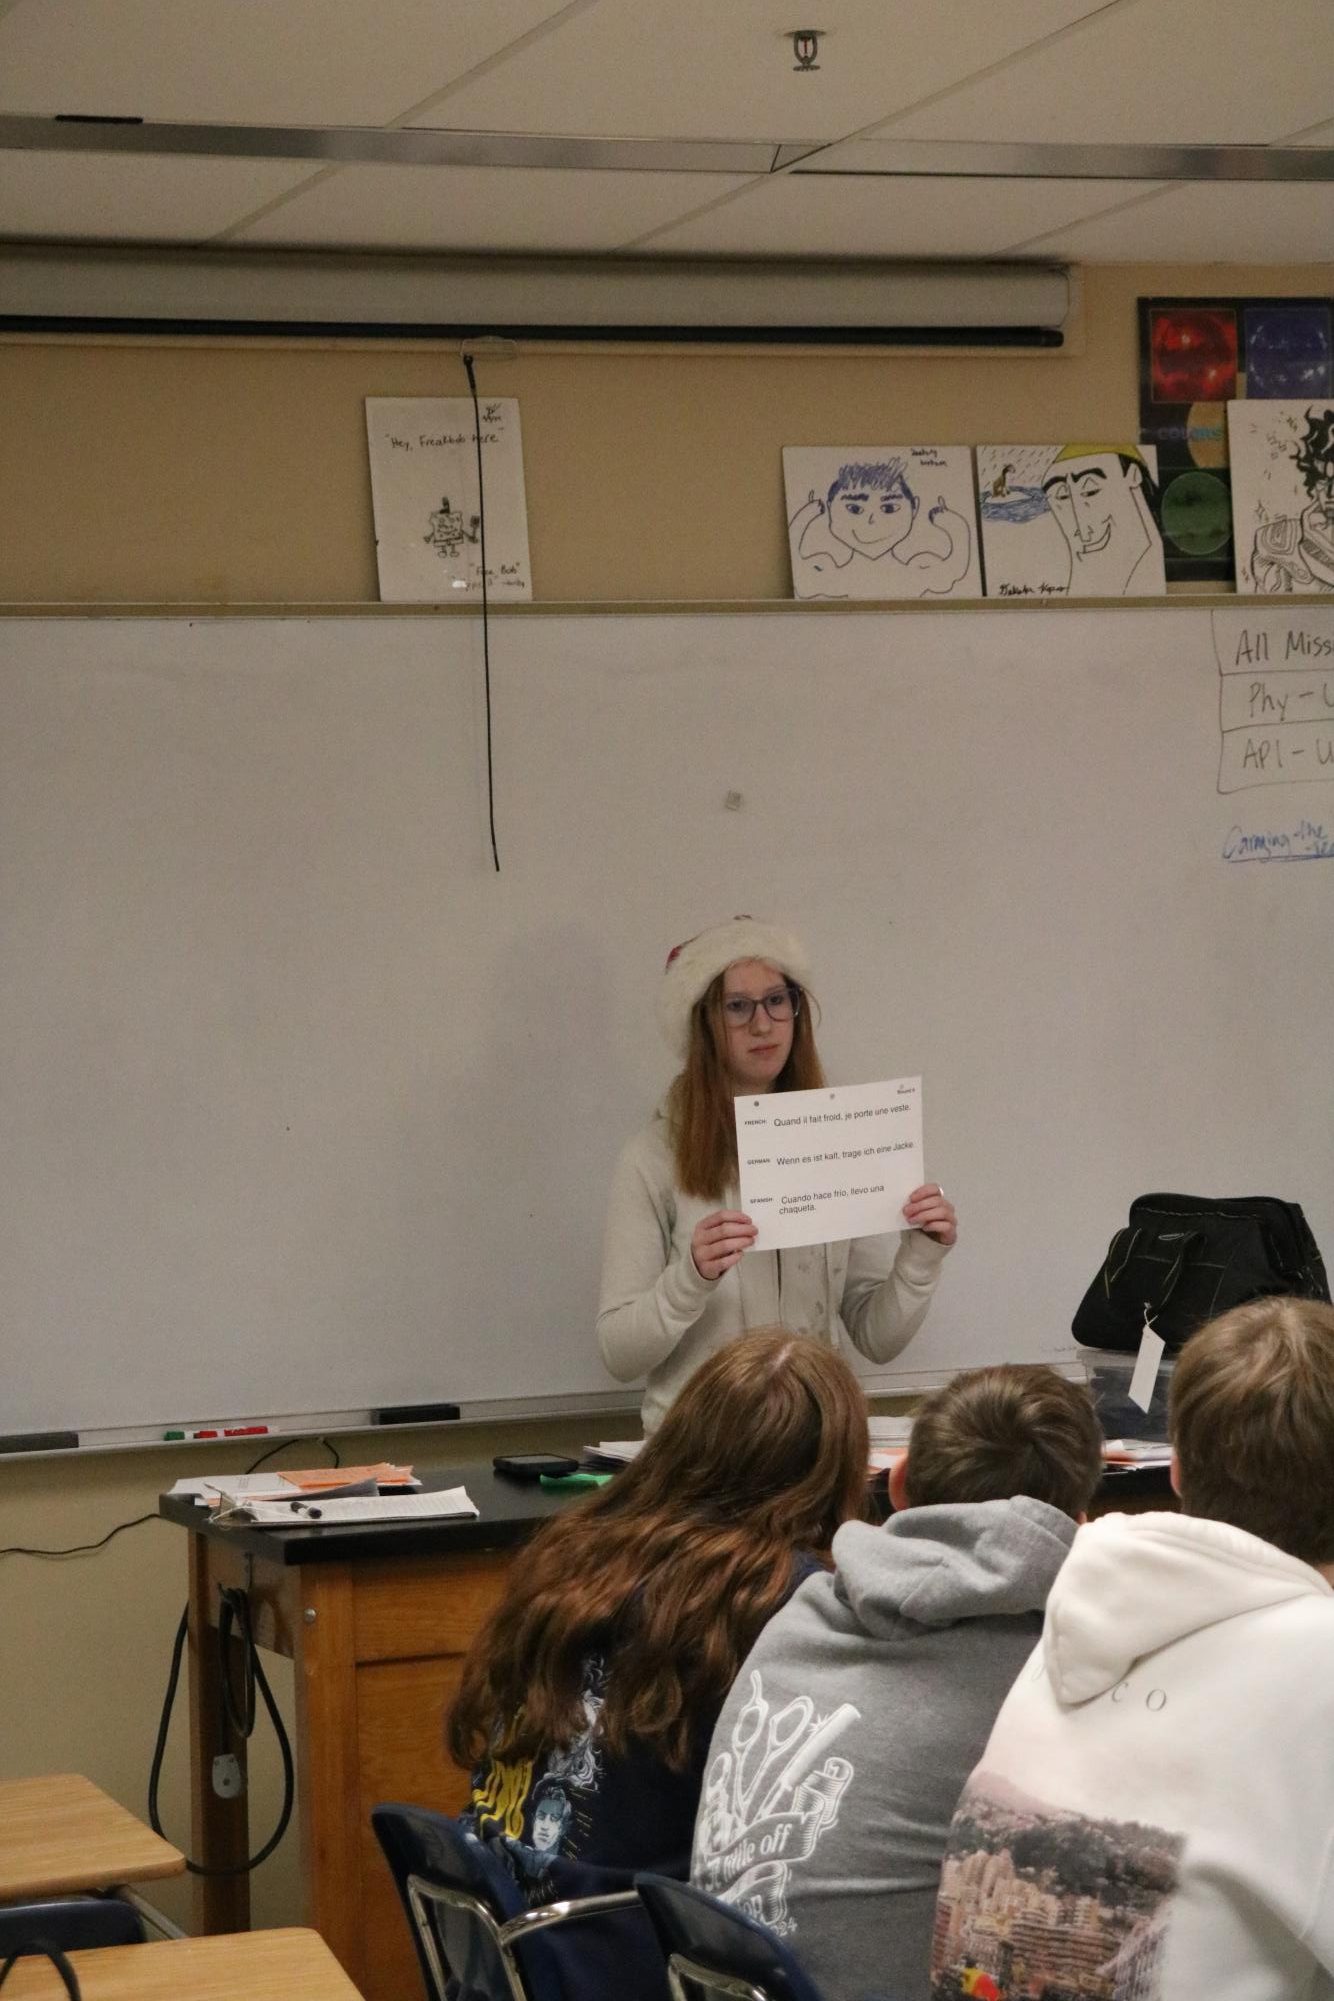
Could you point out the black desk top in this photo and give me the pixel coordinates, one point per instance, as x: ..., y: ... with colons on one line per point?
x: 509, y: 1511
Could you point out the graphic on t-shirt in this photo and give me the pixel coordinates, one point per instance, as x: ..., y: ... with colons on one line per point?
x: 552, y: 1812
x: 1037, y: 1901
x: 767, y: 1800
x: 499, y: 1792
x: 535, y: 1812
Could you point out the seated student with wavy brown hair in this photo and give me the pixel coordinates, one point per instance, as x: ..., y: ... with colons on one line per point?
x: 588, y: 1700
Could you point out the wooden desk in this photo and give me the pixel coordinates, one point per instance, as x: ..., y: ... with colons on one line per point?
x: 247, y: 1966
x: 65, y: 1833
x: 376, y: 1622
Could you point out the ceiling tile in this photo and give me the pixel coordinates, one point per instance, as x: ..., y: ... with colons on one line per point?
x: 1196, y: 72
x: 809, y: 215
x: 700, y: 70
x: 261, y: 62
x: 110, y: 198
x: 480, y: 208
x: 1218, y: 224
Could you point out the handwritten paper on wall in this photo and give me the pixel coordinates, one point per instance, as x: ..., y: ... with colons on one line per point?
x: 821, y: 1166
x: 1276, y: 714
x: 428, y: 512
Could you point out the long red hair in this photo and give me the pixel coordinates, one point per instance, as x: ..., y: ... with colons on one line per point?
x: 699, y: 1103
x: 676, y: 1565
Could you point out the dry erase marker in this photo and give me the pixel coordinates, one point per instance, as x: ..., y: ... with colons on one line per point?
x: 215, y: 1431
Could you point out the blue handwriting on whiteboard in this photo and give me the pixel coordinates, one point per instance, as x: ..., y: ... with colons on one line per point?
x: 1307, y: 842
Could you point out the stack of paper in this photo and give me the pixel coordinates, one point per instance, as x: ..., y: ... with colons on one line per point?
x: 285, y: 1486
x: 613, y: 1451
x: 1121, y: 1454
x: 322, y: 1478
x: 353, y: 1508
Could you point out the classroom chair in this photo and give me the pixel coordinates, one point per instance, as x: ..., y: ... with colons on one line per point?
x: 466, y: 1913
x: 60, y: 1925
x: 712, y: 1949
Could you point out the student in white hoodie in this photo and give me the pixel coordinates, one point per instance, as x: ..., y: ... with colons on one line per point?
x: 843, y: 1747
x: 1153, y: 1817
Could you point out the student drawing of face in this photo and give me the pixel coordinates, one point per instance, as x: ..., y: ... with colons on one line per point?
x: 1097, y: 500
x: 871, y: 507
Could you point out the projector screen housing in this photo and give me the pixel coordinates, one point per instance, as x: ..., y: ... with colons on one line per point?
x: 804, y: 302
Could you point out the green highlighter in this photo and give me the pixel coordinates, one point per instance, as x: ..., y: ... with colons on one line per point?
x: 570, y: 1483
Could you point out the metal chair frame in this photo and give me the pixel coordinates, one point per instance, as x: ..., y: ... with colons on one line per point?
x: 728, y: 1985
x: 150, y: 1913
x: 422, y: 1893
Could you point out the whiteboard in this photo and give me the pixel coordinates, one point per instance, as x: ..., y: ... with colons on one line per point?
x: 307, y: 1110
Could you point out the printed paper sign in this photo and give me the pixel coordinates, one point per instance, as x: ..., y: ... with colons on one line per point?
x: 818, y: 1167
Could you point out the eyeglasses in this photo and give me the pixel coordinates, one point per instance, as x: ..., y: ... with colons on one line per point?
x: 783, y: 1004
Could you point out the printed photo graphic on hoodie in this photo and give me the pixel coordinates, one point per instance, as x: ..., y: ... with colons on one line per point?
x: 1038, y: 1902
x: 1151, y: 1818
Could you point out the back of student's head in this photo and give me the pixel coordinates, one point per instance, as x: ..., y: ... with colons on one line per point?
x: 770, y: 1430
x: 1252, y: 1419
x: 992, y: 1434
x: 673, y: 1568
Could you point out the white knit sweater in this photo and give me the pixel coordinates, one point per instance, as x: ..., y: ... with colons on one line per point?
x: 658, y: 1318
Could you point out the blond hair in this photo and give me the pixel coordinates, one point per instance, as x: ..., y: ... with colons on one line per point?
x: 1252, y: 1421
x: 991, y: 1434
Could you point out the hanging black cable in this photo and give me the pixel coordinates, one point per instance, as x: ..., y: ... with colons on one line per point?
x: 44, y: 1948
x: 335, y: 1458
x: 486, y: 606
x: 238, y: 1714
x: 81, y: 1548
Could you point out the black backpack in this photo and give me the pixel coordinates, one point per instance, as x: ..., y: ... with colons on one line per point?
x: 1181, y: 1259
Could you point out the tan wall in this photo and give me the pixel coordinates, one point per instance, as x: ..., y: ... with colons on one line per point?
x: 202, y: 473
x: 190, y: 473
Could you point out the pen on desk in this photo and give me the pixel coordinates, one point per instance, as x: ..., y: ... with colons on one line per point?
x: 304, y: 1508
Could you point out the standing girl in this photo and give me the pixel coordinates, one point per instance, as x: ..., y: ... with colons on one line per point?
x: 735, y: 1007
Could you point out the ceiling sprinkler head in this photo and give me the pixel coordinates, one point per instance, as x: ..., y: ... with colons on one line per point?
x: 806, y: 47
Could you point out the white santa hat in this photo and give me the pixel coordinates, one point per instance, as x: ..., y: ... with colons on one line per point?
x: 692, y: 967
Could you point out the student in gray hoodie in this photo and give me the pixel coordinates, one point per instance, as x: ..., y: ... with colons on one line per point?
x: 846, y: 1740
